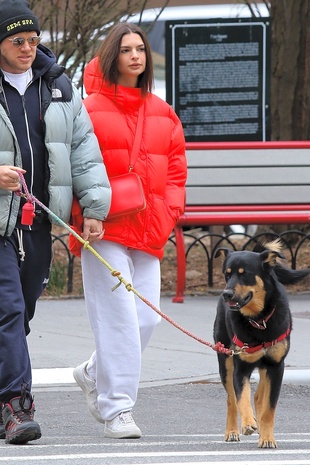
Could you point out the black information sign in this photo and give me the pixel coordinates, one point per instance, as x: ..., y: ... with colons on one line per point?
x: 218, y: 78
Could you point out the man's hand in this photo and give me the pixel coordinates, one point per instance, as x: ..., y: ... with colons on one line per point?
x: 9, y: 177
x: 92, y: 230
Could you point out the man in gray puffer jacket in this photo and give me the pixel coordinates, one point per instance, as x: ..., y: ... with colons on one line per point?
x: 45, y: 134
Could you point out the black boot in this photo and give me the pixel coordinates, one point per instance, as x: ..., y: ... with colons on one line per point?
x: 18, y: 420
x: 2, y: 430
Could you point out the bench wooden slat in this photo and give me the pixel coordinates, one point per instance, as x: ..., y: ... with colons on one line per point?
x: 267, y: 157
x: 251, y: 194
x: 246, y: 208
x: 260, y: 176
x: 245, y: 218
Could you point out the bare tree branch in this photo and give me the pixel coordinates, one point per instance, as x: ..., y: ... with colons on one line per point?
x: 73, y: 29
x: 253, y: 7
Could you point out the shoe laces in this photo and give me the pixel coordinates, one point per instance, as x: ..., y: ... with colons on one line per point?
x: 25, y: 397
x: 126, y: 418
x: 23, y: 415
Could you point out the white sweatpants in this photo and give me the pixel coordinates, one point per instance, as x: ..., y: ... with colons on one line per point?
x: 121, y: 322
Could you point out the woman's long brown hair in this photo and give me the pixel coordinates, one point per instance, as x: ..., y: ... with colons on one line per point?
x: 109, y: 50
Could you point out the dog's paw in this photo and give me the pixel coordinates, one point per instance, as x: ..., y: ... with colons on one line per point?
x: 267, y: 443
x: 232, y: 436
x: 247, y: 430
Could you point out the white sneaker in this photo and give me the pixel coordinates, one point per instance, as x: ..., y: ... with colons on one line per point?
x: 122, y: 427
x: 88, y: 386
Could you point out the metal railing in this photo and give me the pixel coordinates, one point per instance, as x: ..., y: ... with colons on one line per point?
x: 294, y: 243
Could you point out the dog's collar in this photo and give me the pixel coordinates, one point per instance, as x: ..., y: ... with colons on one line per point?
x: 261, y: 324
x: 250, y: 349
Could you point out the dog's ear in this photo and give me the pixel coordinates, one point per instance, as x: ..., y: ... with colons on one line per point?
x: 223, y: 251
x: 270, y: 257
x: 258, y: 248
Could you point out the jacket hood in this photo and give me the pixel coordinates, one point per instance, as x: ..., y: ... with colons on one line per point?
x: 93, y: 77
x: 45, y: 62
x: 129, y: 98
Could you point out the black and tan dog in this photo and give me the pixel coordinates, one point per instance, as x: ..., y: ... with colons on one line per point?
x: 254, y: 320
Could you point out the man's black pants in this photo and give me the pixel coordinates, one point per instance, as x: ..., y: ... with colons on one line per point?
x: 21, y: 284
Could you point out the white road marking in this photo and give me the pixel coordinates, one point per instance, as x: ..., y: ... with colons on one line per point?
x: 47, y: 376
x: 54, y: 376
x: 183, y: 454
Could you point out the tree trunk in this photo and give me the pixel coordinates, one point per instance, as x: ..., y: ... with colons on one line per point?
x: 290, y: 79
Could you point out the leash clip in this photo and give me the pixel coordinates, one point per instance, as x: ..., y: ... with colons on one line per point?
x: 239, y: 351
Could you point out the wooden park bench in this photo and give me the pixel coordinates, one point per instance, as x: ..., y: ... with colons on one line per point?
x: 243, y: 183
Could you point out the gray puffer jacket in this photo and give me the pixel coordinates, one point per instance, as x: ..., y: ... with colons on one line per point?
x: 74, y: 161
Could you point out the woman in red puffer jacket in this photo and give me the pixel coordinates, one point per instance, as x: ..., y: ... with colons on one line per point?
x: 133, y: 244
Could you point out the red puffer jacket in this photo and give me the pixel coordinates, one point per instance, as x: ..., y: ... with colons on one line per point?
x: 161, y: 162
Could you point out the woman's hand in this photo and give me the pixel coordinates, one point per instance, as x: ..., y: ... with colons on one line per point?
x: 92, y: 230
x: 9, y: 177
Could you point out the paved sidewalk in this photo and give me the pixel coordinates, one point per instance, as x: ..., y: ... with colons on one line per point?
x: 61, y: 339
